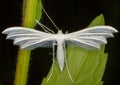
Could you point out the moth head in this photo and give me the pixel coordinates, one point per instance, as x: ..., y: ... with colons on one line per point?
x: 60, y: 32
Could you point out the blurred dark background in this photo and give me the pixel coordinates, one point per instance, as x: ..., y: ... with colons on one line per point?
x: 69, y: 15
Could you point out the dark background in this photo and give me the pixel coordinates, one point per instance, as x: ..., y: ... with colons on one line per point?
x: 69, y: 15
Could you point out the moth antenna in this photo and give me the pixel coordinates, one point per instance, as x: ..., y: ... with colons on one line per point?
x: 50, y: 18
x: 45, y: 27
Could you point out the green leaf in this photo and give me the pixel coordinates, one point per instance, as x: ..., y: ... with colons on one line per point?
x: 97, y: 21
x: 86, y: 67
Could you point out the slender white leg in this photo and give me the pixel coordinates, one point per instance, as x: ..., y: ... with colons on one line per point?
x: 52, y: 62
x: 67, y: 65
x: 45, y: 28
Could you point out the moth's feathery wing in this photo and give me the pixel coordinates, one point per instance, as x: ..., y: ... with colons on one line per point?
x: 46, y: 42
x: 105, y: 31
x: 23, y: 30
x: 91, y: 38
x: 28, y: 38
x: 33, y: 42
x: 97, y: 39
x: 84, y: 43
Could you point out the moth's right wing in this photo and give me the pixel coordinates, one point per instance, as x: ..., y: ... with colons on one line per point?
x: 91, y: 38
x: 28, y: 38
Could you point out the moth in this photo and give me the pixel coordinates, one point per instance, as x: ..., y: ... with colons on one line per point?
x: 89, y: 38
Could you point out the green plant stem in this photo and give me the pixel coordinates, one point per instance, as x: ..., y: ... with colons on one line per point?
x: 29, y: 13
x: 22, y: 67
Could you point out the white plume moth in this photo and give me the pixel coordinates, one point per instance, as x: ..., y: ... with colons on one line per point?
x: 88, y: 38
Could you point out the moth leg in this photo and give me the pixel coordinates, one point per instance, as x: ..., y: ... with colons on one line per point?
x: 45, y: 28
x: 67, y: 64
x: 52, y: 62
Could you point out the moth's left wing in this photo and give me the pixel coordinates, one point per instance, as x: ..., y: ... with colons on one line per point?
x: 28, y: 38
x: 91, y: 38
